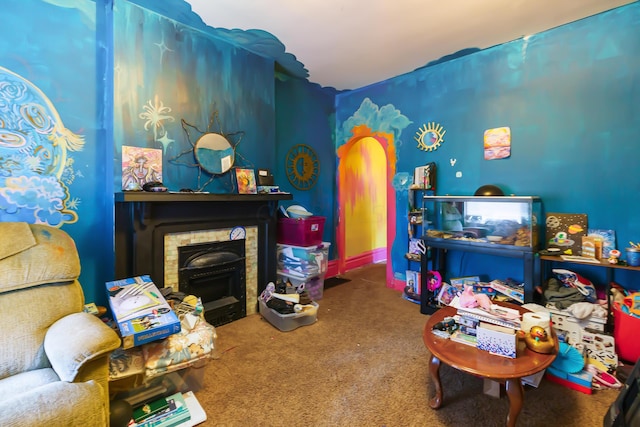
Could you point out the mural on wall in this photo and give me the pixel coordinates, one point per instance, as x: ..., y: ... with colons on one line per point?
x: 35, y: 166
x: 385, y: 125
x: 167, y: 77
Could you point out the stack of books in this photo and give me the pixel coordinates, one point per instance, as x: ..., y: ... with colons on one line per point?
x: 509, y: 289
x: 467, y: 330
x: 177, y: 410
x: 492, y: 330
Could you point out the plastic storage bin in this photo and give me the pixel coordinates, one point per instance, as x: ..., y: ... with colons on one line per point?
x: 313, y: 285
x: 303, y: 262
x: 286, y: 322
x: 301, y: 231
x: 625, y: 331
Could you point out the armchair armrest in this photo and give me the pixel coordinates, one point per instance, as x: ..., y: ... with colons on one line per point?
x: 75, y: 340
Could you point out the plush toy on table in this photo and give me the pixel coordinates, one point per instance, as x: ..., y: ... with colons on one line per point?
x: 469, y: 299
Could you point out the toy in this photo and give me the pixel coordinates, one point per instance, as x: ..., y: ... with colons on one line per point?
x: 614, y: 256
x: 468, y: 299
x: 538, y: 340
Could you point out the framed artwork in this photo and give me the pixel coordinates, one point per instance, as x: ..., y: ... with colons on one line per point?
x: 497, y: 143
x: 140, y: 166
x: 564, y: 231
x: 246, y: 179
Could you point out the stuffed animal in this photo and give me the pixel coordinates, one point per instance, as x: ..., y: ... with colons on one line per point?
x: 468, y: 299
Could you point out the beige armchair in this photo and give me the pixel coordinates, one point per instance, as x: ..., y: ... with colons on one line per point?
x: 53, y: 357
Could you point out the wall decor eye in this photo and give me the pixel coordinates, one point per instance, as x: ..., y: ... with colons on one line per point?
x: 430, y: 136
x: 302, y: 167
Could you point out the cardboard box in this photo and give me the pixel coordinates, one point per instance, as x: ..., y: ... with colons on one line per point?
x: 496, y: 339
x: 142, y: 313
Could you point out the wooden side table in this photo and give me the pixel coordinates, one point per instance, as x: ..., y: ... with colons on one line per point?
x: 482, y: 363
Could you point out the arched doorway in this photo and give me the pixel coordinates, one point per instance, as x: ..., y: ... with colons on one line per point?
x: 366, y: 200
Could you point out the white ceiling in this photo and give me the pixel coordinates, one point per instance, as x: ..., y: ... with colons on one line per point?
x: 348, y: 44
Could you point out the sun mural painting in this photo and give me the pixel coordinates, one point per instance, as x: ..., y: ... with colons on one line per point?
x: 430, y: 136
x: 35, y: 166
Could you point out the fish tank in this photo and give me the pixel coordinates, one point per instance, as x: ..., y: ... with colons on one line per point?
x: 504, y: 221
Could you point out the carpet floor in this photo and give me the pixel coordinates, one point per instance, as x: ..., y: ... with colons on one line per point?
x: 362, y: 363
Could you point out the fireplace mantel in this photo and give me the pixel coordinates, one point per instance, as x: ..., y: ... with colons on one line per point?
x: 142, y: 220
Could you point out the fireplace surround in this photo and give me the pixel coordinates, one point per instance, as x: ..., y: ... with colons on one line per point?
x: 145, y: 222
x: 215, y: 272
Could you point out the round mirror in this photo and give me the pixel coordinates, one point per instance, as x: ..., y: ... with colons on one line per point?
x: 214, y: 153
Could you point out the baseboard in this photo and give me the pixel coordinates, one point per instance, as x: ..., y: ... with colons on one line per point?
x: 366, y: 258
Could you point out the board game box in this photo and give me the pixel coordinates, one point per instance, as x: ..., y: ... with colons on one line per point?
x: 142, y: 313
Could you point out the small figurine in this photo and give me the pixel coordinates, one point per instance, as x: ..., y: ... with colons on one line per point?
x: 614, y: 256
x: 538, y: 340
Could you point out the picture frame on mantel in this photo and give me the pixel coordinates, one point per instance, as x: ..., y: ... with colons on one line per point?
x: 246, y: 181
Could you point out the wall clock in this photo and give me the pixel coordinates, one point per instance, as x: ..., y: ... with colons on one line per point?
x: 302, y: 167
x: 430, y: 136
x: 238, y: 233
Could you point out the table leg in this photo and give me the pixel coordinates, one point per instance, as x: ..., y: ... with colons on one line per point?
x: 434, y: 370
x: 515, y: 392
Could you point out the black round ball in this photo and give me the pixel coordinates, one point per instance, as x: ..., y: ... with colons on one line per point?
x: 489, y: 190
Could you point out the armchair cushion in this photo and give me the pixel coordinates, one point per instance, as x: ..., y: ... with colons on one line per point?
x: 57, y: 404
x: 68, y: 352
x: 25, y: 381
x: 52, y: 259
x: 17, y: 237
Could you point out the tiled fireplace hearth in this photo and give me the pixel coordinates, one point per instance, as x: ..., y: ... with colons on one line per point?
x: 151, y: 229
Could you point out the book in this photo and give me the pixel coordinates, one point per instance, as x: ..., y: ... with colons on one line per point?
x: 576, y: 258
x: 413, y: 281
x: 140, y: 310
x: 497, y: 314
x: 459, y: 282
x: 150, y: 409
x: 195, y: 409
x: 496, y: 339
x: 608, y: 240
x: 463, y: 338
x: 175, y: 414
x: 516, y: 293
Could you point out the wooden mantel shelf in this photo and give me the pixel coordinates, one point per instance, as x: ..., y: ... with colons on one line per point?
x: 149, y: 197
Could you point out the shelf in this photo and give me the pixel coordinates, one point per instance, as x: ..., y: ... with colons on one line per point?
x: 527, y: 255
x: 610, y: 268
x: 604, y: 264
x: 150, y: 197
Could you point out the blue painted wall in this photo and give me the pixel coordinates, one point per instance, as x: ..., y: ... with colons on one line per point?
x: 173, y: 82
x: 116, y: 72
x: 572, y: 99
x: 305, y: 114
x: 570, y: 96
x: 53, y: 49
